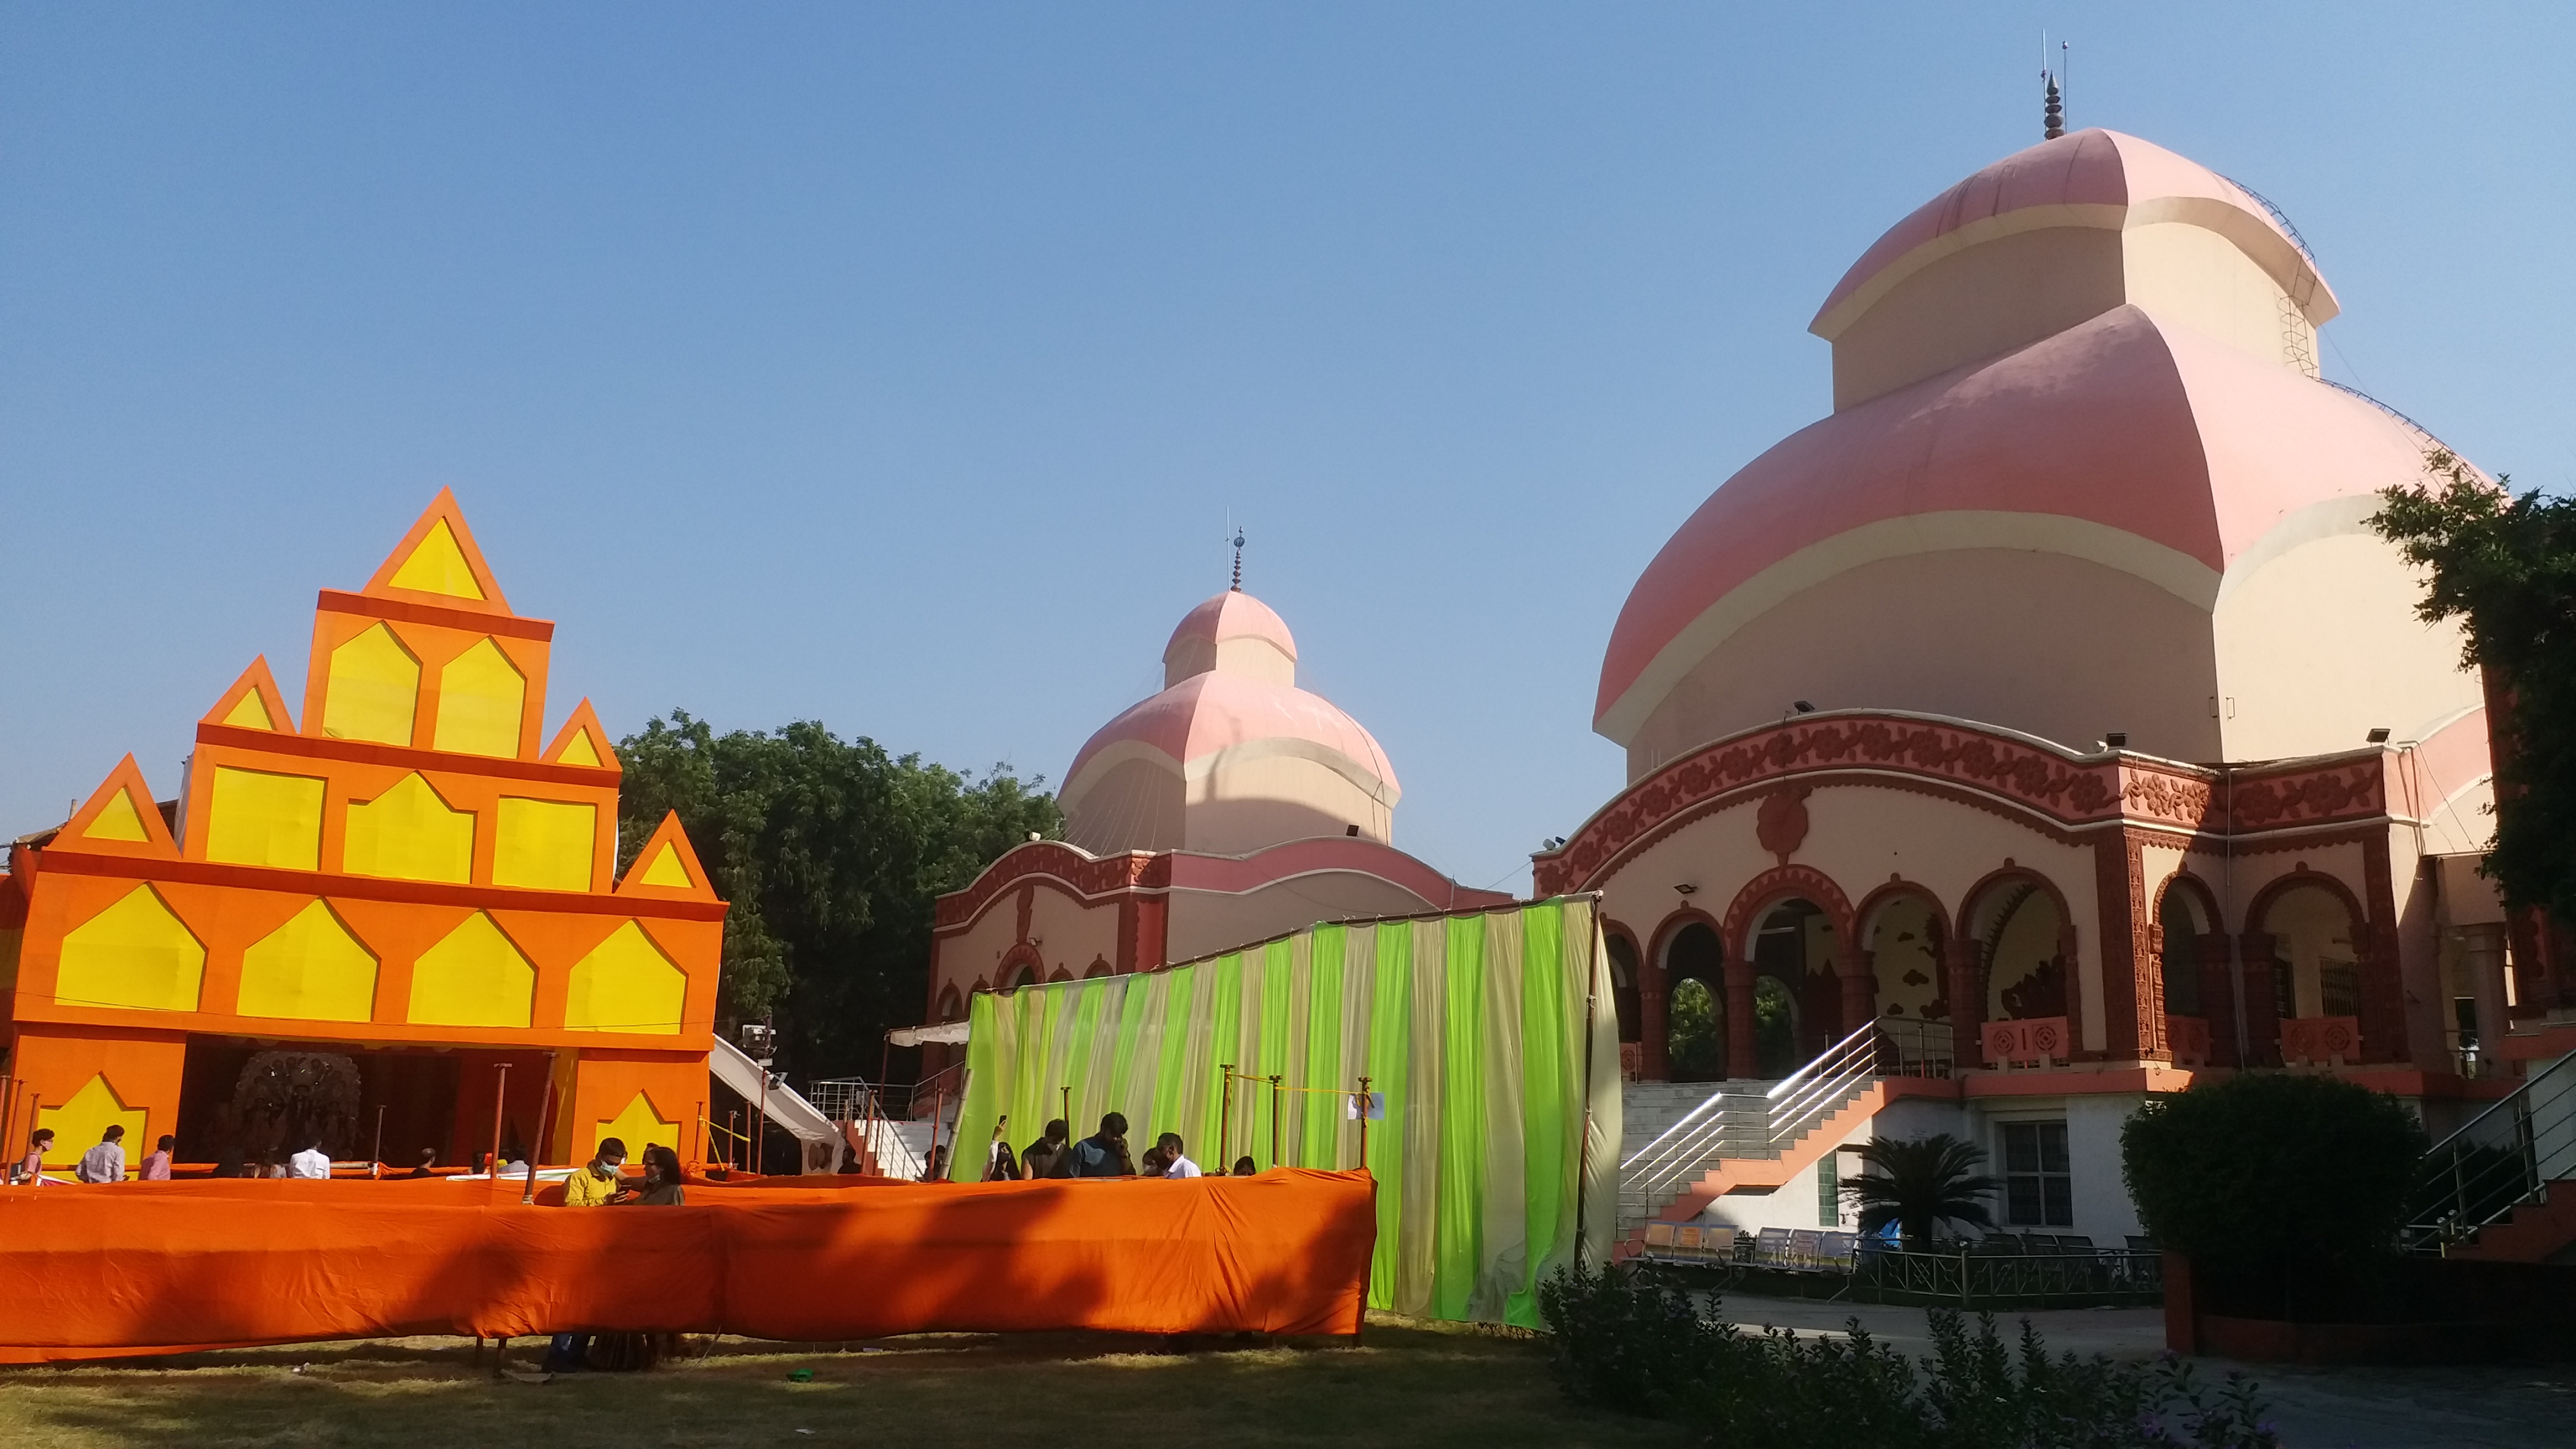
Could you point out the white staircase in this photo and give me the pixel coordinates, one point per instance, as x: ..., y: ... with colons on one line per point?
x: 1677, y: 1133
x: 789, y: 1110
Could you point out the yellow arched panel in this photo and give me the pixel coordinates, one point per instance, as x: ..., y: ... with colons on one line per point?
x: 408, y: 833
x: 256, y: 818
x: 249, y: 712
x: 472, y: 977
x: 665, y: 870
x: 119, y: 821
x: 626, y: 984
x: 135, y: 953
x: 310, y: 969
x: 480, y: 694
x: 438, y: 566
x: 374, y: 686
x: 637, y: 1125
x: 80, y: 1122
x: 544, y: 844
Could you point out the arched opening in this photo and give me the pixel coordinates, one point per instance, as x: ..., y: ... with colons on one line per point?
x: 1793, y: 949
x: 1695, y: 1010
x: 1025, y: 976
x: 2316, y: 970
x: 2021, y: 938
x: 2186, y: 921
x: 1623, y: 985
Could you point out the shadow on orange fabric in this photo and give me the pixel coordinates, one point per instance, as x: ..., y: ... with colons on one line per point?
x: 106, y: 1271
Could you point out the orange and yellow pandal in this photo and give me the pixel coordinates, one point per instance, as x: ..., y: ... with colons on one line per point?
x: 415, y: 876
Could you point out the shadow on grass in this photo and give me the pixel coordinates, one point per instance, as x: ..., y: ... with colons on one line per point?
x: 1406, y: 1383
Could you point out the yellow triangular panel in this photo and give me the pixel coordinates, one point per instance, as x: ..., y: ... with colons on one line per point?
x: 135, y: 953
x: 438, y: 566
x: 474, y: 977
x: 249, y: 713
x: 666, y: 870
x: 637, y: 1125
x: 119, y: 821
x: 579, y: 750
x: 626, y: 984
x: 79, y: 1123
x: 310, y: 969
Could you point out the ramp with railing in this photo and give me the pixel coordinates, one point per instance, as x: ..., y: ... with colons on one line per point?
x: 2504, y: 1185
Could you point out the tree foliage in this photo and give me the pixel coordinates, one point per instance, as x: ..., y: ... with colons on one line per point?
x: 2504, y: 564
x: 1918, y: 1183
x: 831, y: 852
x: 2269, y: 1181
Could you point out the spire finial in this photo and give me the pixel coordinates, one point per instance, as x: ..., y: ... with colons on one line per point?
x: 1237, y: 586
x: 2053, y: 100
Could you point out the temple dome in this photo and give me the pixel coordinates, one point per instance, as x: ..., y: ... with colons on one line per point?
x: 1231, y: 756
x: 2081, y: 477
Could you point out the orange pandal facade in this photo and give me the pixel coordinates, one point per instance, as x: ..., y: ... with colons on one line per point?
x: 414, y: 879
x: 108, y: 1271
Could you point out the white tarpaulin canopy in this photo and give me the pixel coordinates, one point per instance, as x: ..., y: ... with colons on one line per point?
x: 948, y: 1033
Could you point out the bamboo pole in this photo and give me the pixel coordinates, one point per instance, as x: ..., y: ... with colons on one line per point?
x: 500, y: 1100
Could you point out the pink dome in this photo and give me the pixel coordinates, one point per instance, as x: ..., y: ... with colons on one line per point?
x: 2085, y: 170
x: 1233, y: 614
x: 1215, y: 711
x: 2157, y: 431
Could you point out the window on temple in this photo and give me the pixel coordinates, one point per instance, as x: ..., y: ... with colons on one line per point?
x: 2038, y: 1191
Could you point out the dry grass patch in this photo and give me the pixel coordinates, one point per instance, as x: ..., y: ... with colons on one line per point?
x: 1408, y: 1383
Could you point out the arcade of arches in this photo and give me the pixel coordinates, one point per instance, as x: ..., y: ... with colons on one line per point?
x: 1690, y: 1009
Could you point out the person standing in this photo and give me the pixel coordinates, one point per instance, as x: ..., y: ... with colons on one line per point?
x: 106, y: 1161
x: 32, y: 1169
x: 312, y: 1162
x: 1176, y: 1163
x: 156, y: 1163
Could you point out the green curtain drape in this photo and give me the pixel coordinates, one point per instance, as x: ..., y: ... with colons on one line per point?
x: 1489, y: 1035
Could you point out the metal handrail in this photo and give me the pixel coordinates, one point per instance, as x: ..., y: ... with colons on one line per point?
x: 1786, y: 1111
x: 2497, y: 1161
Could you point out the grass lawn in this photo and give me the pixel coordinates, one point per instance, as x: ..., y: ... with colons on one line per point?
x: 1408, y: 1383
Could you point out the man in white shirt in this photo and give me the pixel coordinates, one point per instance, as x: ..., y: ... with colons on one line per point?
x: 1176, y: 1163
x: 106, y: 1161
x: 311, y: 1162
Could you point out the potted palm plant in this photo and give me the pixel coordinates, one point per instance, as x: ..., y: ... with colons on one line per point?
x: 1918, y: 1183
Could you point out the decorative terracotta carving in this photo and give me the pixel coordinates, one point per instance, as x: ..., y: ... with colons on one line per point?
x: 1781, y: 823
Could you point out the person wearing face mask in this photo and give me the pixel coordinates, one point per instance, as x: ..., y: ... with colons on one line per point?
x: 596, y: 1185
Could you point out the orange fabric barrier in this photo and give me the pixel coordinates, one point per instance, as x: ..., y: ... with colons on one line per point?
x: 178, y: 1264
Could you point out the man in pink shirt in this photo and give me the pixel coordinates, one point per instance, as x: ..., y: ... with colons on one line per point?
x: 156, y: 1164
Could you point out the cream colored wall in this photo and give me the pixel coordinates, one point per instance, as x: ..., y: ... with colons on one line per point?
x: 1859, y: 835
x: 1900, y: 944
x: 1065, y: 931
x: 1203, y: 923
x: 1253, y: 658
x: 2029, y: 939
x: 1133, y: 805
x: 2059, y: 647
x: 2317, y: 642
x: 2192, y: 275
x: 1250, y: 802
x: 1988, y: 299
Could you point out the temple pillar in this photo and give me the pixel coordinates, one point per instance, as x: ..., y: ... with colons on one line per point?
x: 2211, y: 950
x: 1859, y: 988
x: 1960, y: 960
x: 1742, y: 1054
x: 1654, y: 1024
x: 2262, y: 999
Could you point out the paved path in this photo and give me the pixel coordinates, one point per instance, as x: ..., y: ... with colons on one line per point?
x: 2497, y: 1407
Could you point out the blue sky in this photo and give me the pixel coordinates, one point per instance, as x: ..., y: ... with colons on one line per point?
x: 898, y: 367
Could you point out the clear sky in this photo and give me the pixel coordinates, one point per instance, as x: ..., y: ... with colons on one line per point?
x: 899, y: 366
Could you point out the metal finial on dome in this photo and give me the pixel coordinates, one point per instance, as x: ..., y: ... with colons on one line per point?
x: 2052, y: 112
x: 1237, y: 586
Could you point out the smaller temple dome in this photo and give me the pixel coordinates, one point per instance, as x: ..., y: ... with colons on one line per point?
x: 1231, y: 756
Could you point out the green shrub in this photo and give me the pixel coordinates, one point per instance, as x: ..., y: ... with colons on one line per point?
x: 1626, y: 1341
x: 2270, y: 1180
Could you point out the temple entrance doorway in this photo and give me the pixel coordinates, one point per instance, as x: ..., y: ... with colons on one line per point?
x: 1695, y: 1005
x: 1797, y: 1004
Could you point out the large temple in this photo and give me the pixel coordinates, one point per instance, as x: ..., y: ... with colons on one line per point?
x: 403, y: 895
x: 2052, y: 706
